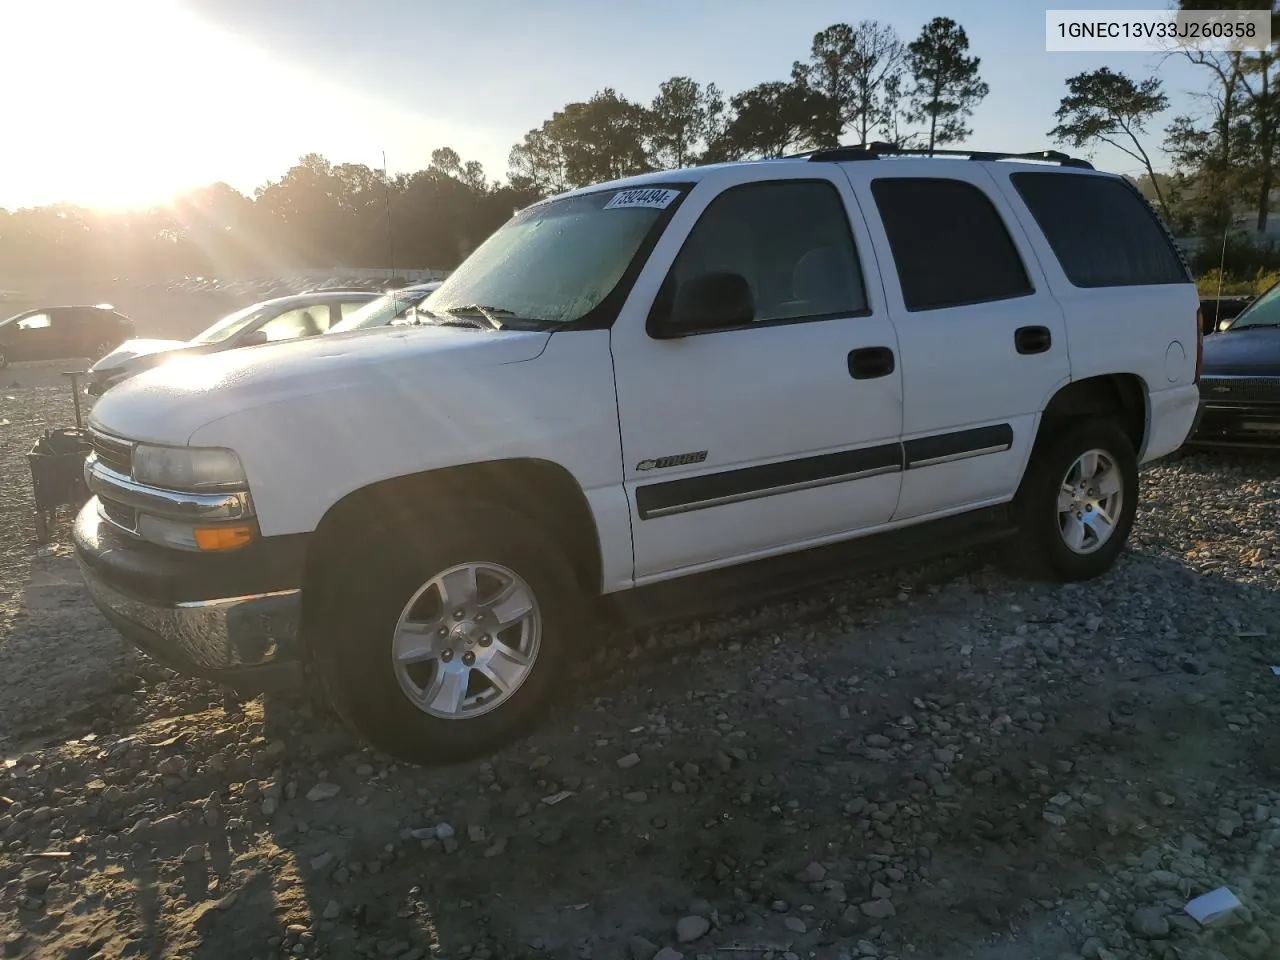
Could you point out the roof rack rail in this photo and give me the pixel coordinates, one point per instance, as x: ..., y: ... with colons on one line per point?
x: 877, y: 149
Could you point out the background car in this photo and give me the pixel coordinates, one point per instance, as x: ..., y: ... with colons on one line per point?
x: 1240, y: 380
x: 54, y: 333
x: 392, y: 307
x: 282, y: 318
x: 1216, y: 312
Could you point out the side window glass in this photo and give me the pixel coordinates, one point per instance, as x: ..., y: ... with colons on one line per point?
x: 1101, y: 230
x: 349, y: 307
x: 37, y: 321
x: 949, y: 245
x: 302, y: 322
x: 790, y: 240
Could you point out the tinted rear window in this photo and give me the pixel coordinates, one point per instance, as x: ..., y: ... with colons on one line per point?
x: 1101, y: 230
x: 949, y: 244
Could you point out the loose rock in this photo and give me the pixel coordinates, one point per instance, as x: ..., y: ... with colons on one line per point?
x: 1150, y: 923
x: 323, y: 791
x: 690, y: 929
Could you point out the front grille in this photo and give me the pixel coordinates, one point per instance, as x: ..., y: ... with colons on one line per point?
x: 1240, y: 389
x: 113, y: 454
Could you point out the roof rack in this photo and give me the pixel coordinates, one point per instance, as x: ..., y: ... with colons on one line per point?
x: 878, y: 149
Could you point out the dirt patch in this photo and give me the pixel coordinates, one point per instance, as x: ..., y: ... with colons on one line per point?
x: 939, y: 763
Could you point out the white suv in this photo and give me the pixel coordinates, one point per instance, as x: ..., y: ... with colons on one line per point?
x: 640, y: 394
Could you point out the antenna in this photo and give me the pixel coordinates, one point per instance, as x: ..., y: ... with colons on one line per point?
x: 1222, y: 265
x: 386, y: 193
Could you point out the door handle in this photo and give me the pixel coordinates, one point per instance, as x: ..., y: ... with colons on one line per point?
x: 868, y: 363
x: 1032, y: 339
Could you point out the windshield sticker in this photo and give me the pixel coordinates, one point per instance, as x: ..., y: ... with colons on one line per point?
x: 649, y: 197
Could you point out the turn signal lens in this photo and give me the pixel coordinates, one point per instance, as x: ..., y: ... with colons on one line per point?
x: 222, y: 538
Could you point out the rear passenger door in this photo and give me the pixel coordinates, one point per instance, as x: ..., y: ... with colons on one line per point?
x: 1129, y: 301
x: 982, y: 340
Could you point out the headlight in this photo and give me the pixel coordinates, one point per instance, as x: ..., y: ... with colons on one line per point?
x: 187, y: 468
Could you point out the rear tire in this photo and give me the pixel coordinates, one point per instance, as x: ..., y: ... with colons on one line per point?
x: 1077, y: 503
x: 413, y: 631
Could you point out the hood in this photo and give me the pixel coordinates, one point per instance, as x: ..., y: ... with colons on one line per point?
x: 132, y: 349
x: 169, y: 403
x: 1252, y: 352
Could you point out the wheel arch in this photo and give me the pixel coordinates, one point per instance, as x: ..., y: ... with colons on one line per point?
x: 1123, y: 397
x: 540, y: 490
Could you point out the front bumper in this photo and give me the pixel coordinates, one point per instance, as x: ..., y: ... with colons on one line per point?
x: 1239, y: 413
x: 230, y: 618
x: 1238, y: 427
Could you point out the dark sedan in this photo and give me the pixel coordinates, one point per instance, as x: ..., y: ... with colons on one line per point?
x: 61, y: 333
x: 1216, y: 311
x: 1240, y: 380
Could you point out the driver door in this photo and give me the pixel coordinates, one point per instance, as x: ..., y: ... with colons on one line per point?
x: 782, y: 433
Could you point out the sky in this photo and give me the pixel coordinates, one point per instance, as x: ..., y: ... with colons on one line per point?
x: 123, y: 104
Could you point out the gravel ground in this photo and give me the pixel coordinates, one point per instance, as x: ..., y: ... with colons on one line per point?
x: 941, y: 763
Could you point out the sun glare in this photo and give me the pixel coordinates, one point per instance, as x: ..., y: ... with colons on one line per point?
x: 103, y: 86
x: 118, y: 105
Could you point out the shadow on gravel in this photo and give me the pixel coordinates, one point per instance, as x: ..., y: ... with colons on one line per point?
x: 939, y: 758
x: 950, y: 770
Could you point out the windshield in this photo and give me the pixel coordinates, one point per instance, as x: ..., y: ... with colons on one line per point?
x: 380, y: 312
x: 555, y: 262
x: 230, y: 325
x: 1263, y: 312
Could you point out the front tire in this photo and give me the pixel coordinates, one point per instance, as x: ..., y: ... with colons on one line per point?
x: 444, y: 639
x: 1077, y: 502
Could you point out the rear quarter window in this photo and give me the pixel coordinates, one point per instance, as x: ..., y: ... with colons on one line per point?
x: 1101, y: 230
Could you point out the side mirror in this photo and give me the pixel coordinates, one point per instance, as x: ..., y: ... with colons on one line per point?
x: 1223, y: 324
x: 709, y: 301
x: 254, y: 339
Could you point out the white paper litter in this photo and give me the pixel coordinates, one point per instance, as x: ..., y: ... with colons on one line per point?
x: 555, y: 798
x: 1275, y: 671
x: 1208, y: 907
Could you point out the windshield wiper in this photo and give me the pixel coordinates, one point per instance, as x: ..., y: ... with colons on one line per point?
x: 491, y: 314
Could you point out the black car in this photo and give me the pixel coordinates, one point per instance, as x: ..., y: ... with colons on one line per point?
x: 1240, y: 380
x: 59, y: 333
x: 283, y: 318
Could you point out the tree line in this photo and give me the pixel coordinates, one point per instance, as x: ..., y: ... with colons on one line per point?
x: 858, y: 83
x: 859, y: 79
x: 318, y: 214
x: 1220, y: 170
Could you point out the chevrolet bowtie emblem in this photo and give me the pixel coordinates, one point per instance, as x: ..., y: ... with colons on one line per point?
x: 1221, y: 389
